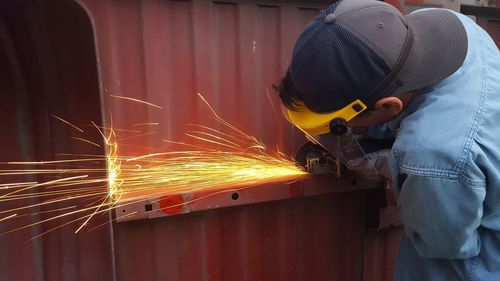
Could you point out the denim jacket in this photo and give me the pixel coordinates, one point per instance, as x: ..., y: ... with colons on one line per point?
x: 447, y: 151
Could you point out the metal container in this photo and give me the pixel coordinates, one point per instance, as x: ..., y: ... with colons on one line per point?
x: 69, y: 58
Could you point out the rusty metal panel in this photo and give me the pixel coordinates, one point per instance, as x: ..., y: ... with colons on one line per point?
x: 47, y: 66
x: 306, y: 239
x: 208, y: 199
x: 165, y: 52
x: 380, y: 253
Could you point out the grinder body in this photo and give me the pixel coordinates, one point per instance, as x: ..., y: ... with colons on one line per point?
x: 316, y: 160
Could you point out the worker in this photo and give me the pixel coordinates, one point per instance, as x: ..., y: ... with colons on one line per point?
x: 431, y: 80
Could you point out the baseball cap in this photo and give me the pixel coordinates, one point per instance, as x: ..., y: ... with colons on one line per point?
x: 366, y: 49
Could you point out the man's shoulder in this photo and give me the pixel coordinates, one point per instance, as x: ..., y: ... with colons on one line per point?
x: 438, y: 135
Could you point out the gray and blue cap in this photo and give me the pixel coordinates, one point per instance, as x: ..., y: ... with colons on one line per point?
x: 366, y: 49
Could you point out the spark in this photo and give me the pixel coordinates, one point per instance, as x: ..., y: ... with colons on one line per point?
x: 149, y: 155
x: 222, y: 139
x: 51, y: 211
x: 210, y: 140
x: 273, y: 107
x: 93, y: 125
x: 131, y: 214
x: 87, y: 141
x: 137, y: 100
x: 146, y: 124
x: 48, y: 183
x: 16, y: 185
x: 218, y: 132
x: 204, y: 170
x: 139, y: 135
x: 8, y: 217
x: 212, y: 160
x: 53, y: 161
x: 93, y: 214
x: 185, y: 144
x: 240, y: 160
x: 66, y: 122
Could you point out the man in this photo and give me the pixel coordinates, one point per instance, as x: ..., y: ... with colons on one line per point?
x: 430, y: 79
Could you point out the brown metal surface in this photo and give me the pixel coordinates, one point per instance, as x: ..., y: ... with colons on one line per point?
x: 381, y: 250
x: 164, y: 52
x: 205, y: 200
x: 316, y: 238
x: 167, y: 51
x: 47, y: 66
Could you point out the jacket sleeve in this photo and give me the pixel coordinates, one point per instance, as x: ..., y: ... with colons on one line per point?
x: 442, y: 216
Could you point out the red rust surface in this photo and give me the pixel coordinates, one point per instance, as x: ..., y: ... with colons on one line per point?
x: 70, y: 58
x: 48, y: 66
x: 167, y: 51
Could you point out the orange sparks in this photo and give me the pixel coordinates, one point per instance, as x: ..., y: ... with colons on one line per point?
x: 87, y: 141
x: 8, y: 217
x: 137, y: 100
x: 214, y: 160
x: 66, y: 122
x: 146, y: 124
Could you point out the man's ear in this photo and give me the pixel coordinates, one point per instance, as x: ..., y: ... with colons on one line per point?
x: 390, y: 106
x: 383, y: 110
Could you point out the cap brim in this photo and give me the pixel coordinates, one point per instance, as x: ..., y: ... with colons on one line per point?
x: 439, y: 48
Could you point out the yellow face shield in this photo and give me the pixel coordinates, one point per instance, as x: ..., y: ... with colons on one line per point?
x: 331, y: 131
x: 315, y: 124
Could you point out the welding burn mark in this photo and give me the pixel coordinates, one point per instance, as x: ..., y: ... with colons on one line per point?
x: 211, y: 160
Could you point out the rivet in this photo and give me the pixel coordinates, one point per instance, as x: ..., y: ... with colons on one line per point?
x: 380, y: 25
x: 356, y: 107
x: 330, y: 18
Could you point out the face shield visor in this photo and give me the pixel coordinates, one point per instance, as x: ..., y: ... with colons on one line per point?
x: 332, y: 132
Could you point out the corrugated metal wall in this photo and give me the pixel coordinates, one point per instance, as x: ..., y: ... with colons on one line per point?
x: 47, y: 66
x: 165, y: 52
x: 310, y: 239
